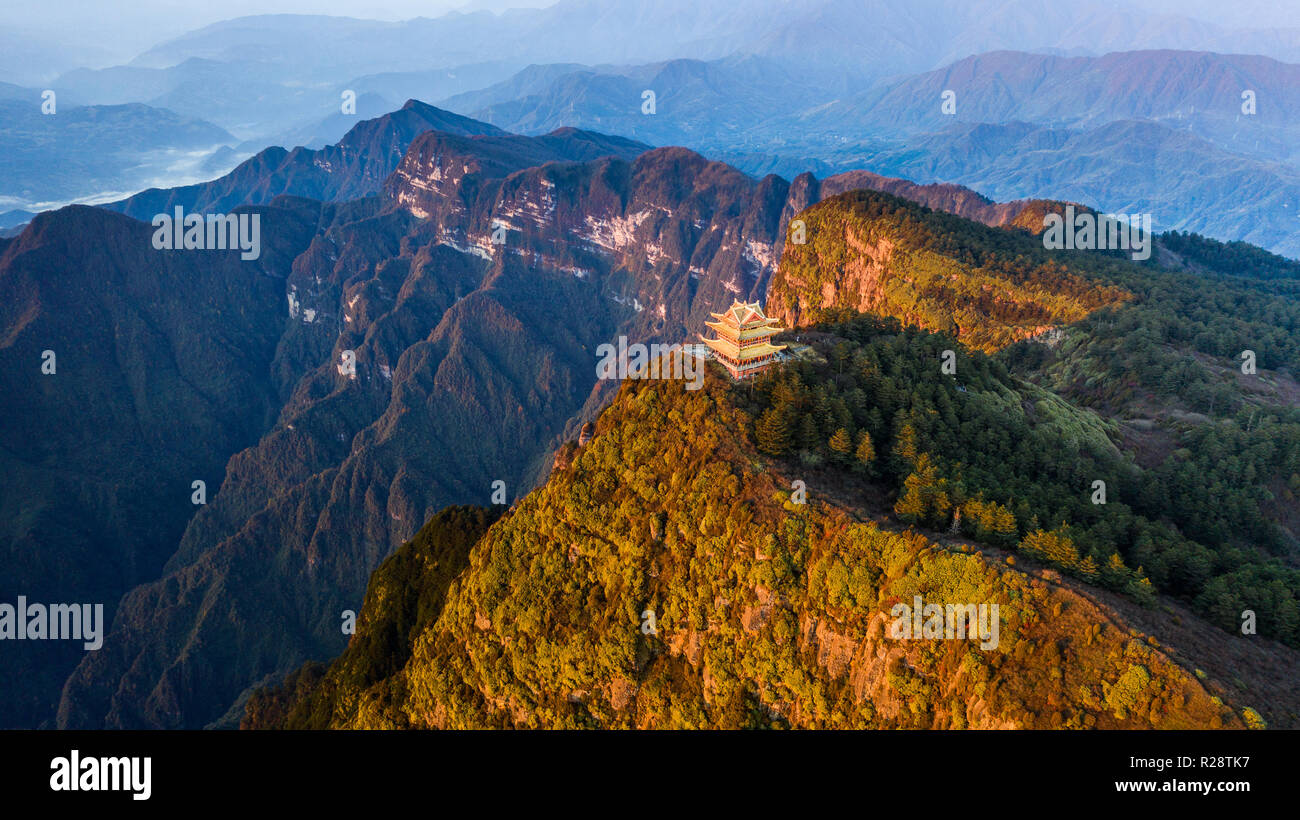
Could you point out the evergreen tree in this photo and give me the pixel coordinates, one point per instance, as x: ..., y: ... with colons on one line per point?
x: 841, y: 445
x: 905, y: 448
x: 773, y: 432
x: 809, y: 437
x: 866, y: 451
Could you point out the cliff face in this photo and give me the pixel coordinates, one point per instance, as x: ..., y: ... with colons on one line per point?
x: 672, y: 234
x: 876, y: 253
x: 664, y: 578
x: 667, y: 233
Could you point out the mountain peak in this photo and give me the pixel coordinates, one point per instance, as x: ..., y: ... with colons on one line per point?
x: 669, y: 513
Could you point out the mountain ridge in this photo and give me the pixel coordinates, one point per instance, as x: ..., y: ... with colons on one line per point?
x: 829, y: 662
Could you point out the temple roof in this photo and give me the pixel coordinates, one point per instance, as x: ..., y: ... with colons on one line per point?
x: 743, y: 315
x: 752, y: 332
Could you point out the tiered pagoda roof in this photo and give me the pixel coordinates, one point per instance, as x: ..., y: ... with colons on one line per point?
x: 743, y: 331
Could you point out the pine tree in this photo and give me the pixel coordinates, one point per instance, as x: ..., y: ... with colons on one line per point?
x: 773, y: 432
x: 925, y: 496
x: 841, y: 445
x: 905, y: 447
x: 1055, y: 546
x: 809, y: 437
x: 785, y: 393
x: 822, y: 408
x: 866, y: 451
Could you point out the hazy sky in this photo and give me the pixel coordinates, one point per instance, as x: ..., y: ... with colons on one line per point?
x: 116, y: 30
x: 126, y: 27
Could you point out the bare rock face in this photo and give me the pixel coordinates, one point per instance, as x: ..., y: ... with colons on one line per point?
x: 874, y: 252
x: 564, y: 456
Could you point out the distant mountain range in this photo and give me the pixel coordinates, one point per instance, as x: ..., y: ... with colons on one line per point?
x: 706, y: 105
x: 1159, y: 132
x: 1127, y: 167
x: 354, y: 167
x: 79, y: 151
x: 1123, y: 111
x: 818, y: 34
x: 300, y: 64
